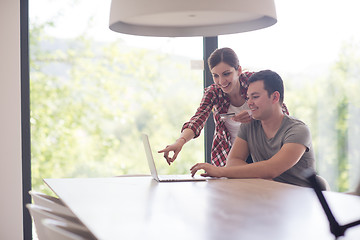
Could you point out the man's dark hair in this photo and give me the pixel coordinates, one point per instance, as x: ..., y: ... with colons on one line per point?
x: 272, y: 82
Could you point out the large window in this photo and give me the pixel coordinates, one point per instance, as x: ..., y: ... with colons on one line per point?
x: 94, y: 91
x: 315, y: 47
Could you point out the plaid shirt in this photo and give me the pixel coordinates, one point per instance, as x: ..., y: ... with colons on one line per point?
x: 218, y: 102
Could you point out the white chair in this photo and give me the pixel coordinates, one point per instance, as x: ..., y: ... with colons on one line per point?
x: 39, y: 213
x: 57, y: 230
x: 53, y: 203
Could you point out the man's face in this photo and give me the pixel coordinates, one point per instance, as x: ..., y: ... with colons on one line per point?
x: 259, y: 102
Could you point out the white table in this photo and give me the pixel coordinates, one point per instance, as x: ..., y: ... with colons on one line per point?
x: 224, y: 209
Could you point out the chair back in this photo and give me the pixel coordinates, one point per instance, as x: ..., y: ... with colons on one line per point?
x: 39, y: 213
x: 356, y: 191
x: 57, y: 230
x: 324, y: 185
x: 53, y: 203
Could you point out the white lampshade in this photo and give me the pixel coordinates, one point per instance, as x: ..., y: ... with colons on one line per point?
x: 186, y: 18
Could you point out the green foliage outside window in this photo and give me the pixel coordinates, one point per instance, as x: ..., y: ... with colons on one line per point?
x: 90, y: 102
x: 330, y: 105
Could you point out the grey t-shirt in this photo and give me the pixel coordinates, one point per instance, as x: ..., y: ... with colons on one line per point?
x: 291, y: 131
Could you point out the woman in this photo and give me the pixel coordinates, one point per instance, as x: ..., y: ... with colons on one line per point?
x: 226, y: 95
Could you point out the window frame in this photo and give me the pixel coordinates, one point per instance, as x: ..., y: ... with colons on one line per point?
x: 209, y: 45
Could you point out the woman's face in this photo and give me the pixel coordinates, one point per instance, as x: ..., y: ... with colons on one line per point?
x: 226, y: 77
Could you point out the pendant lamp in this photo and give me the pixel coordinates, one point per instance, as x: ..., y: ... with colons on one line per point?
x: 186, y: 18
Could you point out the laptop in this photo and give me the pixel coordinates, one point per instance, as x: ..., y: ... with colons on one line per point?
x: 165, y: 178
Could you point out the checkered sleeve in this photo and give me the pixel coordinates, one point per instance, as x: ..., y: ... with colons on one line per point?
x: 197, y: 122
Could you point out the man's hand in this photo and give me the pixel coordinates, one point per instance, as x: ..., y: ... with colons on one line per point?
x: 210, y: 170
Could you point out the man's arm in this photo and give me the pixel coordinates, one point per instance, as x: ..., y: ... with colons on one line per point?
x: 288, y: 156
x: 238, y: 153
x: 237, y: 157
x: 236, y: 166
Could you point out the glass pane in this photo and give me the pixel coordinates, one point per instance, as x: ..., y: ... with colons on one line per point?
x: 94, y: 91
x: 315, y: 47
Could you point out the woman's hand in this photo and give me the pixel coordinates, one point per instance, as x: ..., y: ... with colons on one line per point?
x: 175, y: 147
x: 243, y: 117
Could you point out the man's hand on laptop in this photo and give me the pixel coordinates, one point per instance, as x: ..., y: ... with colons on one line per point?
x: 210, y: 170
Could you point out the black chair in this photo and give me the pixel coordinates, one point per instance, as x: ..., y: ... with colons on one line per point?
x: 335, y: 228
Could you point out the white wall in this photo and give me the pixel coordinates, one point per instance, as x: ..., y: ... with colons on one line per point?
x: 10, y: 122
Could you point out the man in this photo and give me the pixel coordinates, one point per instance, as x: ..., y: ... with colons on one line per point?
x: 280, y: 145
